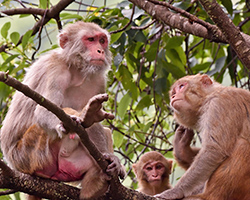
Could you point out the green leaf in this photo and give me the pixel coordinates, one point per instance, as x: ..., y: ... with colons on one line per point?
x: 228, y: 5
x: 4, y: 91
x: 26, y: 38
x: 115, y: 37
x: 174, y: 42
x: 177, y: 71
x: 117, y: 138
x: 44, y: 4
x: 9, y: 59
x: 152, y: 51
x: 15, y: 36
x: 123, y: 105
x: 5, y: 29
x: 200, y: 67
x: 219, y: 63
x: 161, y: 86
x: 70, y: 16
x: 145, y: 102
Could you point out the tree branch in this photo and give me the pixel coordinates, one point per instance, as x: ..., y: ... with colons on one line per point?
x: 19, y: 11
x: 229, y: 30
x: 159, y: 10
x: 162, y: 13
x: 51, y: 13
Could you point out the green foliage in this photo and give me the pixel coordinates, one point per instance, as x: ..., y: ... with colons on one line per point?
x: 5, y: 29
x: 147, y: 59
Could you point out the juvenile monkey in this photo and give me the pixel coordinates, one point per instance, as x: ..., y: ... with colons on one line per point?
x: 224, y: 158
x: 152, y: 172
x: 32, y: 139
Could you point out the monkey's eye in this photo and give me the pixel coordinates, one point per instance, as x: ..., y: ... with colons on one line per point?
x: 159, y: 166
x: 91, y: 39
x: 181, y: 86
x: 149, y: 168
x: 102, y: 40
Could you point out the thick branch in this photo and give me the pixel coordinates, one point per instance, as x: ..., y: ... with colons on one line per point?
x: 162, y: 13
x: 159, y: 11
x: 19, y: 11
x: 229, y: 30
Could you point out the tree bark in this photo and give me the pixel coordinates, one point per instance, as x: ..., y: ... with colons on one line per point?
x: 229, y: 30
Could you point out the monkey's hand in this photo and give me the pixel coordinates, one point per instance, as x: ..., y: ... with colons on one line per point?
x: 183, y: 152
x: 93, y: 111
x: 62, y: 130
x: 171, y: 194
x: 183, y: 137
x: 115, y: 167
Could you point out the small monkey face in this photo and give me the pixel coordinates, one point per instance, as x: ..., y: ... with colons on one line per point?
x: 154, y: 171
x: 177, y: 97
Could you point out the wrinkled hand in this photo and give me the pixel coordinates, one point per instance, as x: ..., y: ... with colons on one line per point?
x: 171, y: 194
x: 183, y: 136
x: 93, y: 111
x: 62, y: 130
x: 115, y: 167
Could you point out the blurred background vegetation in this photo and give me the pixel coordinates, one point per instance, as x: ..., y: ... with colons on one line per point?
x: 148, y: 56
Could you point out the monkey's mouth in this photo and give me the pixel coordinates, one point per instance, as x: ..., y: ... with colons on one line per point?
x: 174, y: 101
x: 98, y: 62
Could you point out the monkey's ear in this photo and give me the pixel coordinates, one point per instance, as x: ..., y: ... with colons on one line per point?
x: 63, y: 39
x: 134, y: 169
x: 170, y: 165
x: 206, y: 80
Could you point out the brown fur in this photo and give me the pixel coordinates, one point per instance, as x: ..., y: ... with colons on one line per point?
x: 221, y: 115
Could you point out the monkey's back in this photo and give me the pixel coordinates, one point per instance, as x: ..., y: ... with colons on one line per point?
x: 20, y: 115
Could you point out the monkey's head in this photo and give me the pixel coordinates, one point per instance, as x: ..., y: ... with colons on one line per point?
x: 152, y: 168
x: 187, y: 95
x: 85, y: 46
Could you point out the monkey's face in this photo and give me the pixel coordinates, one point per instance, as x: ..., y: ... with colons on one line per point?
x: 177, y: 96
x: 187, y: 96
x: 154, y: 171
x: 97, y: 46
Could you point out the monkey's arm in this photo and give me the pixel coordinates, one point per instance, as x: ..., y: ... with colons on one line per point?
x: 54, y: 86
x: 184, y: 154
x: 205, y: 163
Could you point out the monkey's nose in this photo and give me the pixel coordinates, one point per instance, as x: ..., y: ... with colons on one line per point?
x: 100, y: 51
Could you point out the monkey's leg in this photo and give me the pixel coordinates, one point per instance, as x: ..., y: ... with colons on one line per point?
x: 94, y: 183
x: 33, y: 150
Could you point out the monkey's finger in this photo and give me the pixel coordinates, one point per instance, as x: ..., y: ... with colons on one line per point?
x: 99, y: 99
x: 108, y: 116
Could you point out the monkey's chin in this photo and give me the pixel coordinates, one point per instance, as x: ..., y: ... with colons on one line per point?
x: 155, y: 183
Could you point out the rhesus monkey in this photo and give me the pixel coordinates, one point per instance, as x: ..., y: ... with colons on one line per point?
x: 221, y: 115
x: 184, y: 154
x: 32, y: 139
x: 152, y: 172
